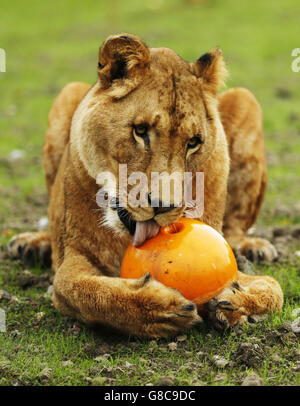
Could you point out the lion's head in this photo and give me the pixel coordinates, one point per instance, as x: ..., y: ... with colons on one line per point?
x: 154, y: 112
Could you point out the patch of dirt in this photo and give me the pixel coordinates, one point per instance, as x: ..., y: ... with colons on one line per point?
x: 252, y: 380
x: 283, y: 93
x: 282, y: 335
x: 249, y: 355
x: 93, y: 351
x: 26, y: 279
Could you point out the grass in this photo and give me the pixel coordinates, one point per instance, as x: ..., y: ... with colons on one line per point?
x: 101, y: 358
x: 50, y: 44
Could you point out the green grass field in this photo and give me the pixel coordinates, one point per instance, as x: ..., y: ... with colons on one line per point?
x: 49, y: 44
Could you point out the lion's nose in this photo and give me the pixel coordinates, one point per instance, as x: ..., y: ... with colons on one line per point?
x: 161, y: 209
x: 158, y: 206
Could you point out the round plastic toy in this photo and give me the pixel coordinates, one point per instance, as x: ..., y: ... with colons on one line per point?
x: 187, y: 255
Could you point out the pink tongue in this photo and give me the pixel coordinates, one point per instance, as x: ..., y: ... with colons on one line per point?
x: 144, y: 230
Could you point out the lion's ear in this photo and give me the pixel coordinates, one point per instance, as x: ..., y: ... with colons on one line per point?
x: 122, y: 57
x: 211, y: 68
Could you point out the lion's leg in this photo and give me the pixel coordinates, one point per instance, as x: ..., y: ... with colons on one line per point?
x: 35, y: 247
x: 142, y: 307
x: 242, y: 120
x: 250, y: 295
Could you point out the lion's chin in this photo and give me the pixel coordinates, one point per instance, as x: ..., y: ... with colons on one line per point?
x: 144, y: 230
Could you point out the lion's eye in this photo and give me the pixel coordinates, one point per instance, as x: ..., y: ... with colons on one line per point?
x: 141, y: 130
x: 194, y: 142
x: 140, y: 133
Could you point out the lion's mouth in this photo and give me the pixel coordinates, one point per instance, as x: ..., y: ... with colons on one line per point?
x: 140, y: 230
x: 144, y: 230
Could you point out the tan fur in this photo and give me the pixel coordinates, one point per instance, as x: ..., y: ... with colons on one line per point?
x: 91, y: 130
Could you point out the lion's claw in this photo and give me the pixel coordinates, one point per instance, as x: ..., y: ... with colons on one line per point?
x: 31, y: 248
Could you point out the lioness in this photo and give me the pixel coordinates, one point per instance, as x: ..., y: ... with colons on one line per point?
x: 153, y: 111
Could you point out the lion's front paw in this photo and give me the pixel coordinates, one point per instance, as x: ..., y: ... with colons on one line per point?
x: 227, y: 310
x: 254, y: 249
x: 31, y: 247
x: 163, y: 311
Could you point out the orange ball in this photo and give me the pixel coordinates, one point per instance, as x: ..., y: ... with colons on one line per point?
x: 188, y: 255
